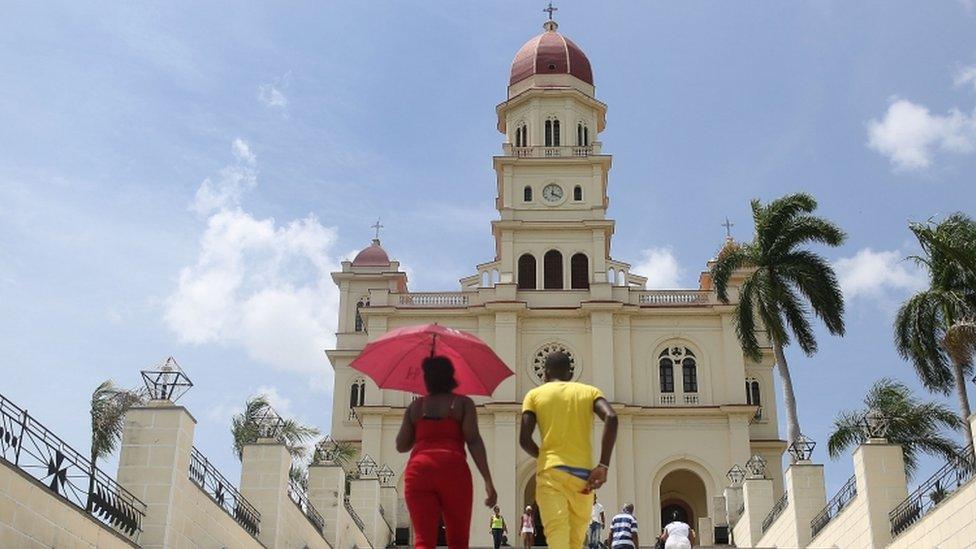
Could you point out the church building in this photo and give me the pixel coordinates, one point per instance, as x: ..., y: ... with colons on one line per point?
x: 691, y: 405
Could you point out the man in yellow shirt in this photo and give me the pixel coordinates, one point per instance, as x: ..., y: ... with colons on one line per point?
x: 565, y: 474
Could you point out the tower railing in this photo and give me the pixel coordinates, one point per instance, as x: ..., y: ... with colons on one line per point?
x: 553, y: 152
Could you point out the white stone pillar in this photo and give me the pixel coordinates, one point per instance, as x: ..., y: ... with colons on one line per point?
x: 733, y: 500
x: 807, y: 497
x: 154, y: 464
x: 757, y: 492
x: 364, y: 497
x: 504, y: 453
x: 879, y: 469
x: 706, y: 531
x: 326, y: 492
x: 391, y: 504
x: 264, y: 483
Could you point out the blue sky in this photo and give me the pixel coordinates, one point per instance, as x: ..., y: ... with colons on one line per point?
x: 179, y: 179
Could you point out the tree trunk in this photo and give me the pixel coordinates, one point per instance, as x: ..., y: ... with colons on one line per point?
x: 789, y: 398
x: 964, y: 411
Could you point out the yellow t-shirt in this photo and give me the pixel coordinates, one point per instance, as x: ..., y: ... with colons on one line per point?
x: 564, y: 412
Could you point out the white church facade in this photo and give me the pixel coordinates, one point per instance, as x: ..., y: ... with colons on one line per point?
x: 691, y: 405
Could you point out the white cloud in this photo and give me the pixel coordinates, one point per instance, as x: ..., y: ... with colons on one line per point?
x: 272, y: 96
x: 258, y: 284
x: 909, y: 135
x: 660, y: 267
x: 232, y: 182
x: 966, y: 75
x: 878, y: 275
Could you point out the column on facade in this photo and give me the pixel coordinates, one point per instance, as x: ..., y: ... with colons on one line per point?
x: 622, y: 360
x: 506, y: 345
x: 879, y: 468
x: 154, y: 461
x: 264, y: 483
x: 599, y: 258
x: 734, y: 365
x: 602, y: 356
x: 326, y: 492
x: 504, y: 460
x: 372, y: 434
x: 624, y: 465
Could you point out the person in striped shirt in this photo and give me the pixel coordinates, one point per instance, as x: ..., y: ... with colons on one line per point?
x: 623, y: 529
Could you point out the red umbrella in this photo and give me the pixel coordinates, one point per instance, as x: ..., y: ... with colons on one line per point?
x: 394, y: 360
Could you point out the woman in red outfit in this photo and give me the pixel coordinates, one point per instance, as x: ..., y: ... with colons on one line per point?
x: 437, y: 481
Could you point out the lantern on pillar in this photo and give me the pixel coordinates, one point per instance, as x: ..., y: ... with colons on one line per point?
x: 735, y: 475
x: 269, y: 423
x: 366, y: 467
x: 385, y: 474
x: 166, y: 381
x: 876, y: 423
x: 756, y: 466
x: 801, y: 449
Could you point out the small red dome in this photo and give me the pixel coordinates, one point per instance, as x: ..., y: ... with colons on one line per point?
x: 372, y: 256
x: 550, y: 53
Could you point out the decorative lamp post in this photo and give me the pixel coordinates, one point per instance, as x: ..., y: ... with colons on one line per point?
x: 366, y: 467
x: 801, y: 448
x: 327, y: 450
x: 736, y: 475
x: 385, y: 473
x: 166, y: 381
x: 876, y: 424
x: 756, y: 466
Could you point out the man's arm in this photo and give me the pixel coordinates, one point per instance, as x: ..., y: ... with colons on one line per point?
x: 525, y: 434
x: 603, y: 410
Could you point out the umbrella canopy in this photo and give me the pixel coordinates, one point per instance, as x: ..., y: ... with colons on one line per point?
x: 394, y: 360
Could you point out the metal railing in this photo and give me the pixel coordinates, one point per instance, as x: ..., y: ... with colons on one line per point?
x: 552, y: 152
x: 433, y: 299
x: 672, y: 298
x: 222, y: 492
x: 387, y: 522
x: 776, y: 511
x: 29, y: 446
x: 297, y: 494
x: 845, y: 495
x: 930, y: 493
x: 355, y: 516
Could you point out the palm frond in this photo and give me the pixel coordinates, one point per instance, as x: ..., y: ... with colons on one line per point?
x: 109, y: 403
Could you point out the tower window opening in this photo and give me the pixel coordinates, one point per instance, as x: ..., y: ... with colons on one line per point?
x: 586, y: 136
x: 666, y: 370
x: 526, y: 272
x: 579, y: 135
x: 689, y: 372
x: 752, y: 393
x: 360, y: 324
x: 548, y: 133
x: 552, y: 264
x: 527, y: 194
x: 555, y: 133
x: 579, y: 266
x: 577, y: 193
x: 357, y: 393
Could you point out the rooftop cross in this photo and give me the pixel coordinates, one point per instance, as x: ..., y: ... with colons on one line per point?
x: 550, y: 9
x: 728, y: 227
x: 377, y: 226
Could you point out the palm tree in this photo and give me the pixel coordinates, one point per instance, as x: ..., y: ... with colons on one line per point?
x: 246, y: 429
x: 917, y: 426
x: 109, y: 403
x: 935, y: 329
x: 783, y: 284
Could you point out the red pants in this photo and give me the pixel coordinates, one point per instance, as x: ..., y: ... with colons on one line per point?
x: 438, y: 484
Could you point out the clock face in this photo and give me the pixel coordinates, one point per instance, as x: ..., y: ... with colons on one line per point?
x: 552, y: 193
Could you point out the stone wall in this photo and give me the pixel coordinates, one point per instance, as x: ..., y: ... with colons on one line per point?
x: 31, y: 515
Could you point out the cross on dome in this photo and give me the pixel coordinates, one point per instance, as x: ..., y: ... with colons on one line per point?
x: 550, y: 9
x: 728, y: 227
x: 377, y: 227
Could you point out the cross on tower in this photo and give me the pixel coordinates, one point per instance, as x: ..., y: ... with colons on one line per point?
x: 728, y: 227
x: 550, y: 9
x: 377, y: 226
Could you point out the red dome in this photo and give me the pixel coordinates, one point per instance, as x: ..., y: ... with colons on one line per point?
x: 372, y: 256
x: 550, y: 53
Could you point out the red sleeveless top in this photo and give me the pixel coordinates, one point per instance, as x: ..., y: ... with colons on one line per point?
x: 441, y: 434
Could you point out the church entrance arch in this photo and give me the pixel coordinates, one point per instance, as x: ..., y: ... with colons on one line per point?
x: 683, y: 493
x: 528, y: 499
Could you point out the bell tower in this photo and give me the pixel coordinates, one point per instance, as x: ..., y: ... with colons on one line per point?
x: 553, y: 233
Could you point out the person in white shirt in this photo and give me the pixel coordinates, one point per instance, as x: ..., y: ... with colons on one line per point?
x: 597, y: 524
x: 623, y: 529
x: 677, y: 534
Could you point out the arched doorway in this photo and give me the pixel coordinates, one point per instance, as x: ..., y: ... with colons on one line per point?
x: 540, y: 533
x: 683, y: 492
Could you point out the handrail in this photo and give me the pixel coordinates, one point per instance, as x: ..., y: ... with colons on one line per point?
x: 931, y: 492
x: 222, y: 492
x: 845, y: 495
x: 298, y: 495
x: 776, y: 511
x: 29, y: 446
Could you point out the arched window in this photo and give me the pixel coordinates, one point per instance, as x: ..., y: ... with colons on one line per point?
x: 586, y: 136
x: 666, y: 369
x: 552, y: 265
x: 548, y: 133
x: 360, y: 324
x: 621, y: 278
x: 527, y: 194
x: 357, y: 393
x: 525, y: 135
x: 555, y: 133
x: 577, y: 193
x: 611, y: 276
x: 752, y: 392
x: 579, y: 135
x: 689, y: 372
x: 526, y: 272
x: 579, y: 271
x: 485, y: 279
